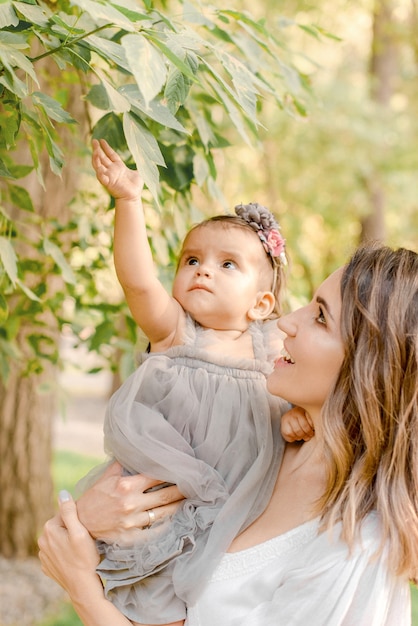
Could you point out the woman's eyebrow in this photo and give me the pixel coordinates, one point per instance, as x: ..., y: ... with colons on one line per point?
x: 325, y: 305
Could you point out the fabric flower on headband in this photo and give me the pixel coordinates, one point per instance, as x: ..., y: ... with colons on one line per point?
x: 264, y: 223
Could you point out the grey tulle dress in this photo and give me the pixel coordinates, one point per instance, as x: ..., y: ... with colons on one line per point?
x: 208, y: 425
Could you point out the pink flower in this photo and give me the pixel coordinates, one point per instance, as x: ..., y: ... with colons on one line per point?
x: 275, y: 243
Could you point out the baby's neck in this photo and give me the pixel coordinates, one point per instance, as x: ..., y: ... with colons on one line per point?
x: 231, y: 342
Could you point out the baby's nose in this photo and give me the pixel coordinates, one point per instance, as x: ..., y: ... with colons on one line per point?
x: 204, y: 270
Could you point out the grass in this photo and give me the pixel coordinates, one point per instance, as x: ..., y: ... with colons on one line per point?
x: 414, y: 606
x: 68, y: 468
x: 65, y: 617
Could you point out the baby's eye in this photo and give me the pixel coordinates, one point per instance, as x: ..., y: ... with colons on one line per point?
x: 229, y: 265
x: 192, y: 261
x: 320, y: 318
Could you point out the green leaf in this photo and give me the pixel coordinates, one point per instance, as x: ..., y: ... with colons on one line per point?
x: 8, y: 15
x: 10, y: 349
x: 231, y: 109
x: 54, y: 251
x: 243, y: 80
x: 10, y: 123
x: 105, y: 13
x: 311, y: 30
x: 68, y: 26
x: 44, y: 347
x: 200, y: 169
x: 31, y: 295
x: 246, y: 18
x: 13, y: 83
x: 204, y: 128
x: 130, y: 9
x: 173, y: 57
x: 109, y: 50
x: 33, y: 13
x: 110, y: 127
x: 97, y: 96
x: 145, y: 151
x: 20, y: 171
x: 52, y: 108
x: 176, y: 89
x: 9, y: 259
x: 103, y: 335
x: 4, y: 309
x: 147, y: 65
x: 56, y: 157
x: 4, y: 171
x: 21, y: 197
x: 117, y: 102
x: 193, y: 16
x: 11, y: 57
x: 156, y: 110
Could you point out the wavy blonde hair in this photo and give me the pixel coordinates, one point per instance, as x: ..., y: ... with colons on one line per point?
x: 371, y: 416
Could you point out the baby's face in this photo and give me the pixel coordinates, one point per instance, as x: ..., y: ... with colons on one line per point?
x: 221, y: 271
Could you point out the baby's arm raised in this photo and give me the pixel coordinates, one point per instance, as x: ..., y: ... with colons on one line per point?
x: 154, y: 310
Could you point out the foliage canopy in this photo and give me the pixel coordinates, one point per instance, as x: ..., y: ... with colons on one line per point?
x: 159, y: 86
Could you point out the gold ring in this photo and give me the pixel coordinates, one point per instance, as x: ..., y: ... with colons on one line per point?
x: 151, y: 517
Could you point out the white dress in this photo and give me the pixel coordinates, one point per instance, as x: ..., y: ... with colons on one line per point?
x: 305, y: 578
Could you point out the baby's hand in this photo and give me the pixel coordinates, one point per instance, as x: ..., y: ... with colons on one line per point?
x: 120, y: 181
x: 296, y: 425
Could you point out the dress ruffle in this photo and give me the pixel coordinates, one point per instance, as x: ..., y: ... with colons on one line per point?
x: 208, y: 425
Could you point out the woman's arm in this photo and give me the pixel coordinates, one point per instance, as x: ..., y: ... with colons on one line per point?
x: 69, y: 556
x: 116, y: 504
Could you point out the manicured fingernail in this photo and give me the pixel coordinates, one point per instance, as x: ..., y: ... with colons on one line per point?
x: 64, y: 496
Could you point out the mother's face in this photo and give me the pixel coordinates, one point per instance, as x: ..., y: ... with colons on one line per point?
x: 313, y: 351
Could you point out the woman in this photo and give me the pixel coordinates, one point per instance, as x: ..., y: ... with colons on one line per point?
x: 339, y: 539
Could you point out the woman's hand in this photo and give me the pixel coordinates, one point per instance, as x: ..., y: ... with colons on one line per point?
x: 116, y: 504
x: 67, y: 552
x: 69, y: 556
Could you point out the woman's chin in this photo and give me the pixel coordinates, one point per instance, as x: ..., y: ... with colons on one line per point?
x: 275, y: 384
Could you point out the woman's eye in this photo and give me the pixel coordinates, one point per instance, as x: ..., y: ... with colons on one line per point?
x: 320, y: 318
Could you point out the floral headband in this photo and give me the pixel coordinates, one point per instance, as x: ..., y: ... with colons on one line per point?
x: 264, y: 224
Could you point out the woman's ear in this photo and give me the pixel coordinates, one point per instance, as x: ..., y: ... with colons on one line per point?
x: 263, y: 307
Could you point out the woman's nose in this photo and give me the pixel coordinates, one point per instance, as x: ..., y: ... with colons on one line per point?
x: 287, y: 324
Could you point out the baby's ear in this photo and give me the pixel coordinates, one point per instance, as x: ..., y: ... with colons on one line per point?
x: 263, y: 306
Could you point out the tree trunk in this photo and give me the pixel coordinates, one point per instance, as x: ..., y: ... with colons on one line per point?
x: 25, y: 449
x: 382, y: 73
x: 26, y: 411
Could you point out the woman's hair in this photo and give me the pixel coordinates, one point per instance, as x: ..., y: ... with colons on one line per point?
x: 371, y: 416
x: 278, y: 274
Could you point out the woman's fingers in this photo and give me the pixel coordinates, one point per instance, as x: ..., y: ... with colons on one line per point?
x: 68, y: 554
x: 160, y: 513
x: 116, y: 503
x: 162, y: 503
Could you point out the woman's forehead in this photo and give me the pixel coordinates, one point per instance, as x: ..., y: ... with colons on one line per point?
x: 330, y: 292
